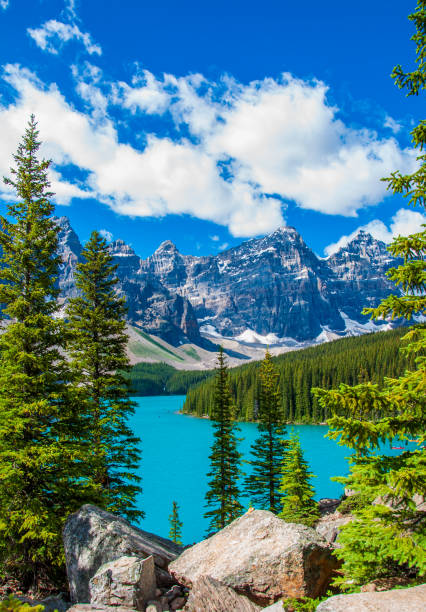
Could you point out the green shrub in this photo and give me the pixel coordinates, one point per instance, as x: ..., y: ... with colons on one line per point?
x: 11, y: 604
x: 303, y: 604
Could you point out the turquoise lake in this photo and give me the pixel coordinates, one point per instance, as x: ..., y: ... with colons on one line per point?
x: 175, y: 451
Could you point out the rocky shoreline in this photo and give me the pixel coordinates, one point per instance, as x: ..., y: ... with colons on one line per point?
x: 250, y: 565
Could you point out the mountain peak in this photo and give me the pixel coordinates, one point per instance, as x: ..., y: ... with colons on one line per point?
x: 285, y: 230
x: 363, y: 238
x: 119, y: 247
x: 362, y: 234
x: 63, y: 223
x: 167, y: 247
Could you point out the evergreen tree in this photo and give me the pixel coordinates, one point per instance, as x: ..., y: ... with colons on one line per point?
x: 39, y: 434
x: 387, y: 537
x: 175, y: 533
x: 97, y: 349
x: 222, y: 495
x: 267, y: 451
x: 297, y: 504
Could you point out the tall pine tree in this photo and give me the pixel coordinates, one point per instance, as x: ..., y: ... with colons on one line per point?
x: 39, y: 436
x: 222, y: 496
x: 263, y: 482
x: 387, y: 536
x: 297, y: 502
x: 97, y: 350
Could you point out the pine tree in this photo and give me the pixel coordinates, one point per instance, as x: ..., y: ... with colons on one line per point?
x: 267, y: 451
x: 387, y: 536
x: 39, y: 449
x: 297, y: 504
x: 97, y: 350
x: 223, y: 493
x: 175, y: 533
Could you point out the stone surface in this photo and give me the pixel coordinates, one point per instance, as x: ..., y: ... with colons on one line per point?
x: 276, y: 607
x: 150, y: 304
x: 89, y: 608
x: 127, y: 581
x: 260, y: 556
x: 400, y: 600
x: 329, y: 526
x: 175, y: 591
x: 214, y: 596
x: 93, y: 537
x: 385, y: 584
x: 154, y: 606
x: 328, y: 505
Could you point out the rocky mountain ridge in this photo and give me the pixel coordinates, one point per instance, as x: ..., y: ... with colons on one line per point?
x: 273, y: 290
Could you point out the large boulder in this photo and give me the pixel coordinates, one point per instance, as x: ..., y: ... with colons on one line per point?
x: 262, y: 557
x: 127, y: 581
x: 214, y: 596
x: 401, y: 600
x: 93, y: 537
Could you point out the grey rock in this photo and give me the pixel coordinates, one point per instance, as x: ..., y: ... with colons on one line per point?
x: 53, y: 603
x: 93, y: 537
x: 177, y: 603
x: 329, y: 526
x: 175, y: 591
x: 214, y: 596
x: 89, y: 608
x: 154, y: 606
x: 276, y: 607
x: 127, y: 581
x: 274, y: 284
x: 260, y: 556
x: 328, y: 505
x: 151, y: 305
x: 401, y: 600
x: 163, y: 602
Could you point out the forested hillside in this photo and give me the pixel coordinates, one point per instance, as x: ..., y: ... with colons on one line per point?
x: 349, y: 360
x: 163, y: 379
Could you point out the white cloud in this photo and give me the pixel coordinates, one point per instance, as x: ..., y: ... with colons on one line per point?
x: 224, y: 246
x: 214, y: 238
x: 106, y: 234
x: 281, y: 136
x: 392, y: 124
x: 239, y: 151
x: 53, y: 34
x: 70, y: 8
x: 4, y: 4
x: 403, y: 223
x: 167, y: 177
x: 147, y: 95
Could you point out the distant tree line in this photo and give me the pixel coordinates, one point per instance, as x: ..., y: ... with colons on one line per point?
x: 163, y: 379
x: 349, y: 360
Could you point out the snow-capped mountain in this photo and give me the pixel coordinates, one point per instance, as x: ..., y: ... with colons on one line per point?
x: 270, y: 290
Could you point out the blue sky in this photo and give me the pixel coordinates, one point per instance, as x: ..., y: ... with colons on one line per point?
x: 207, y: 123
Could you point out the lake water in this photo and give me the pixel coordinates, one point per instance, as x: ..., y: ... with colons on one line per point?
x: 175, y: 451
